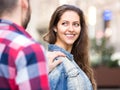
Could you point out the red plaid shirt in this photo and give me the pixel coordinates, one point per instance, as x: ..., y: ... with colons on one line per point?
x: 22, y: 60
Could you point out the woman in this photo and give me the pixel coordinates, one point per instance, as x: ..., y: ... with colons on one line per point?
x: 68, y: 34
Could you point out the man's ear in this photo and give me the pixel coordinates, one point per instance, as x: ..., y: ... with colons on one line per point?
x: 24, y: 3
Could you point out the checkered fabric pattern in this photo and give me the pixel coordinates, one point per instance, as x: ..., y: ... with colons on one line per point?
x: 22, y: 60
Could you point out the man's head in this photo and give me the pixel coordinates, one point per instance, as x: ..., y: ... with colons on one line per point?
x: 18, y: 11
x: 6, y: 6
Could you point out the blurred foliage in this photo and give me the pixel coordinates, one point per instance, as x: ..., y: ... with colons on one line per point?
x: 103, y: 51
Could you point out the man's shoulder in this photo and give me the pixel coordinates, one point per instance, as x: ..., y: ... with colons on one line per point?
x: 25, y: 42
x: 17, y: 40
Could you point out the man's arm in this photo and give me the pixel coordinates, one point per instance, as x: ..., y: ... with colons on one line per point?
x: 32, y: 69
x: 51, y: 62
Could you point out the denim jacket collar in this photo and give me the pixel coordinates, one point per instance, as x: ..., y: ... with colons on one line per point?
x: 53, y: 47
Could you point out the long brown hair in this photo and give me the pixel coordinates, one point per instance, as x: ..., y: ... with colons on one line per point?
x: 81, y: 45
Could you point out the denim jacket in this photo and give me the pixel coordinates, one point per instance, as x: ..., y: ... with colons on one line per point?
x: 67, y: 75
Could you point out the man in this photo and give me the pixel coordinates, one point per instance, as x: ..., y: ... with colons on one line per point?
x: 22, y: 59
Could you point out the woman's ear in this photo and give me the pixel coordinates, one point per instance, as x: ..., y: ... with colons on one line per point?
x: 55, y: 29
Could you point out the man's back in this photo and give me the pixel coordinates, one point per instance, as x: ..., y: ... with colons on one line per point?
x: 22, y: 60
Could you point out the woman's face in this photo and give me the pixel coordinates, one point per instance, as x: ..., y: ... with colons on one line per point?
x: 68, y: 29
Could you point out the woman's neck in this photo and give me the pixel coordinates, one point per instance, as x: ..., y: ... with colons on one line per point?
x: 66, y: 47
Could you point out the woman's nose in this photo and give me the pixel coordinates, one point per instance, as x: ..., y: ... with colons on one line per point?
x: 71, y: 28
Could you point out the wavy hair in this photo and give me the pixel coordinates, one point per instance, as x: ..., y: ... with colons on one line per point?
x: 80, y: 49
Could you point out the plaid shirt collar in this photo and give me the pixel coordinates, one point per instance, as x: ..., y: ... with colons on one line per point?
x: 8, y: 25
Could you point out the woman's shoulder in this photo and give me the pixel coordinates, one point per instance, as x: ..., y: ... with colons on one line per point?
x: 62, y: 58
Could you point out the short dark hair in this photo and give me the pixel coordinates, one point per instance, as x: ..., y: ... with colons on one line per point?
x: 6, y: 6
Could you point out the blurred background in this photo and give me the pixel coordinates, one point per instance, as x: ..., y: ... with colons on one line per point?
x: 103, y: 20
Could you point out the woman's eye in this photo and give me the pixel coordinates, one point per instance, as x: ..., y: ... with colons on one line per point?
x: 64, y: 23
x: 76, y: 24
